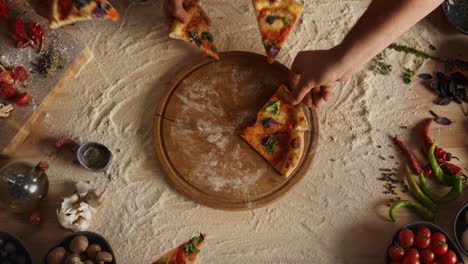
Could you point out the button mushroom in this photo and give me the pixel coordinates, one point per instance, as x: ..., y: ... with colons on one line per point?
x: 79, y: 244
x: 103, y: 257
x: 93, y: 250
x: 56, y: 256
x: 73, y: 259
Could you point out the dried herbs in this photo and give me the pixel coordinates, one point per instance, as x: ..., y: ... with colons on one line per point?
x: 408, y: 75
x: 380, y: 66
x: 416, y: 52
x: 50, y: 63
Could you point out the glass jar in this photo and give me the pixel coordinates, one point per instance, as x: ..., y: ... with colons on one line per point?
x: 23, y: 186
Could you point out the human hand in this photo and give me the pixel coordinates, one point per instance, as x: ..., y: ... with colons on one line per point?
x: 177, y: 9
x: 313, y: 74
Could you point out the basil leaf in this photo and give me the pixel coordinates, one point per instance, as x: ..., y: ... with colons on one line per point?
x: 287, y: 21
x: 207, y: 36
x: 272, y: 144
x: 274, y: 107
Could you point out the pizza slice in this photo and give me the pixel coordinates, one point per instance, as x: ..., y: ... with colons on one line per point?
x: 195, y: 31
x: 186, y: 253
x: 276, y: 19
x: 278, y: 115
x: 66, y: 12
x: 283, y: 150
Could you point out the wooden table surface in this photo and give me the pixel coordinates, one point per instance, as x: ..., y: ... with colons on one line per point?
x: 359, y: 240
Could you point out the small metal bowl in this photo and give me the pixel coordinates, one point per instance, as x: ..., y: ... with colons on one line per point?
x: 459, y: 226
x: 20, y: 247
x: 94, y: 238
x: 456, y: 12
x: 414, y: 227
x: 103, y: 151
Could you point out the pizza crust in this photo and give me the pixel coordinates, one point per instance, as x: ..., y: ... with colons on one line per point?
x: 177, y: 255
x: 82, y: 14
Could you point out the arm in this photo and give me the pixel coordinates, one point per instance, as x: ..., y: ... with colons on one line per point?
x: 382, y: 23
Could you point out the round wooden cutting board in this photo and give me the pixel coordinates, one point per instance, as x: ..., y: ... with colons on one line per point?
x: 197, y: 127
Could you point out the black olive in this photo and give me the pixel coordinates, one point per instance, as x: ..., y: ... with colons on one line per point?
x: 271, y: 19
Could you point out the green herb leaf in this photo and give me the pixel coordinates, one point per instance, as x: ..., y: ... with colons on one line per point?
x: 194, y: 33
x: 408, y: 75
x: 195, y: 240
x: 207, y: 36
x: 274, y: 107
x: 287, y: 21
x: 190, y: 248
x: 272, y: 144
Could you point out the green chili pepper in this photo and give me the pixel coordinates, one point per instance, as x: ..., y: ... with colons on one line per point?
x: 420, y: 196
x: 457, y: 187
x: 436, y: 169
x: 420, y: 209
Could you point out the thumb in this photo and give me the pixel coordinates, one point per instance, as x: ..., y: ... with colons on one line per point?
x: 179, y: 11
x: 302, y: 89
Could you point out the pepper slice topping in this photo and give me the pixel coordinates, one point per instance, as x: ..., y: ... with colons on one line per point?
x: 268, y: 122
x: 274, y: 107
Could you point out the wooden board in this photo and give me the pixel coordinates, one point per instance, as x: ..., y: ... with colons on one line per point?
x: 17, y: 127
x: 197, y: 126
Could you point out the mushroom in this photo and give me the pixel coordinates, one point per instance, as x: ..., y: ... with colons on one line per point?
x: 73, y: 259
x: 79, y: 244
x: 56, y: 256
x: 5, y: 110
x: 103, y: 257
x: 93, y: 250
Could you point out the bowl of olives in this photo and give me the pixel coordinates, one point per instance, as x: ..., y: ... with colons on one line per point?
x: 12, y: 250
x: 81, y: 248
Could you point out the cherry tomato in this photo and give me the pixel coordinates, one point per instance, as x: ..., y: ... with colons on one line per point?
x: 396, y: 252
x: 35, y: 218
x: 20, y: 73
x: 439, y: 247
x: 411, y: 259
x: 423, y: 238
x: 427, y: 255
x: 7, y: 90
x: 412, y: 251
x: 448, y: 258
x: 406, y: 238
x: 23, y: 99
x: 438, y: 236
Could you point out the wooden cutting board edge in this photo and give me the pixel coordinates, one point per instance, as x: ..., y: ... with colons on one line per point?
x: 38, y: 114
x: 201, y: 197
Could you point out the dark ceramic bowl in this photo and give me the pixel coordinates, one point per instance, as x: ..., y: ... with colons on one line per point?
x: 456, y: 12
x: 104, y: 153
x: 94, y: 238
x: 7, y: 237
x: 414, y: 227
x: 459, y: 226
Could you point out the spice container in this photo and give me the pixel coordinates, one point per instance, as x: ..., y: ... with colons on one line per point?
x: 94, y: 156
x: 12, y: 250
x: 23, y: 186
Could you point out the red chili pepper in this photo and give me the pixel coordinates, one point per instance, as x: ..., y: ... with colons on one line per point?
x: 449, y: 168
x: 23, y: 99
x: 19, y: 30
x: 427, y: 171
x: 3, y: 8
x: 35, y: 218
x: 438, y: 152
x: 36, y: 31
x: 7, y: 90
x: 414, y: 163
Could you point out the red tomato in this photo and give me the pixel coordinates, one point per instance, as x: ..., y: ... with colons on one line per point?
x: 423, y: 238
x: 427, y: 255
x: 412, y: 251
x: 411, y: 259
x: 396, y: 252
x: 23, y: 99
x: 406, y: 238
x: 439, y: 247
x: 35, y: 218
x: 448, y: 258
x: 438, y: 236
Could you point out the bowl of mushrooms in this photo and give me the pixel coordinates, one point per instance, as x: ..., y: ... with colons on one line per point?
x: 81, y: 248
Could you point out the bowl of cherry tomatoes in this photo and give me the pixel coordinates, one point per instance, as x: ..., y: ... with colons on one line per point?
x: 422, y: 242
